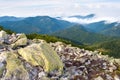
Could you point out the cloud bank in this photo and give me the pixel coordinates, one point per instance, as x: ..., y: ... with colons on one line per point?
x: 90, y: 20
x: 22, y: 8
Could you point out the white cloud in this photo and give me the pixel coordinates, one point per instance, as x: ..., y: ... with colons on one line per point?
x: 90, y: 20
x: 102, y: 8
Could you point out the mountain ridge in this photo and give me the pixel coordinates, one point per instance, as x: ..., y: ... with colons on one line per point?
x: 10, y: 18
x: 48, y: 25
x: 38, y: 24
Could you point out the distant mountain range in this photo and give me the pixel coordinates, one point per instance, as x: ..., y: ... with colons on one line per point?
x: 99, y: 35
x: 50, y: 25
x: 38, y: 24
x: 91, y: 24
x: 110, y: 29
x: 10, y: 18
x: 79, y: 34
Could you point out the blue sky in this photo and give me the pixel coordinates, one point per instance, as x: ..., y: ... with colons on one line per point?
x: 108, y: 8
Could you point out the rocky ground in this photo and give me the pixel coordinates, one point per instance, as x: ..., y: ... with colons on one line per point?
x: 24, y: 59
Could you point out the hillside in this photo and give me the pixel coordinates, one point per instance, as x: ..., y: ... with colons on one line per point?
x: 79, y: 34
x: 111, y: 48
x: 38, y: 24
x: 102, y: 27
x: 25, y: 59
x: 99, y: 26
x: 95, y: 25
x: 113, y: 31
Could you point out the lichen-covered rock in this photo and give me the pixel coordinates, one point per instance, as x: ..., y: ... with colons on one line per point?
x: 99, y: 78
x: 2, y: 60
x: 3, y: 34
x: 41, y: 55
x: 3, y: 37
x: 20, y: 41
x: 117, y: 61
x: 14, y: 68
x: 2, y: 68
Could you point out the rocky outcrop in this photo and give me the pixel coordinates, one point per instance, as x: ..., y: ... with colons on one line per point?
x: 41, y: 55
x: 82, y: 64
x: 3, y: 34
x: 3, y: 37
x: 24, y: 59
x: 14, y: 68
x: 21, y: 40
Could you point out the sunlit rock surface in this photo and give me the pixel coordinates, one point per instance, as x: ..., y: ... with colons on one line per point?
x: 21, y: 40
x: 41, y: 55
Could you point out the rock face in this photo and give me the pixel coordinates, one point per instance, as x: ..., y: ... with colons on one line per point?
x: 20, y: 61
x: 24, y: 59
x: 3, y: 35
x: 15, y: 68
x: 41, y: 55
x: 21, y: 40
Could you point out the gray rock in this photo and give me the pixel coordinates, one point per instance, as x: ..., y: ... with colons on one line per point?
x: 98, y: 78
x: 116, y: 77
x: 20, y: 41
x: 3, y: 35
x: 108, y: 77
x: 41, y: 74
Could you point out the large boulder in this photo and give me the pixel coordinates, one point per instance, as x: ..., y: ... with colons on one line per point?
x: 20, y: 41
x: 14, y: 67
x: 42, y: 55
x: 3, y: 37
x: 3, y: 34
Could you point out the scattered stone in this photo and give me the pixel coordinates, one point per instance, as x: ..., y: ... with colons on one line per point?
x: 41, y: 74
x: 20, y: 41
x: 3, y: 35
x: 98, y: 78
x: 116, y: 77
x: 24, y: 59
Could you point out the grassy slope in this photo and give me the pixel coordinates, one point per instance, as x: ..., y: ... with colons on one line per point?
x: 111, y: 48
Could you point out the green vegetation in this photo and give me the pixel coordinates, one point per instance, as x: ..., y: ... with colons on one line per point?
x: 49, y: 38
x: 6, y: 30
x: 111, y: 48
x: 80, y: 35
x: 38, y: 24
